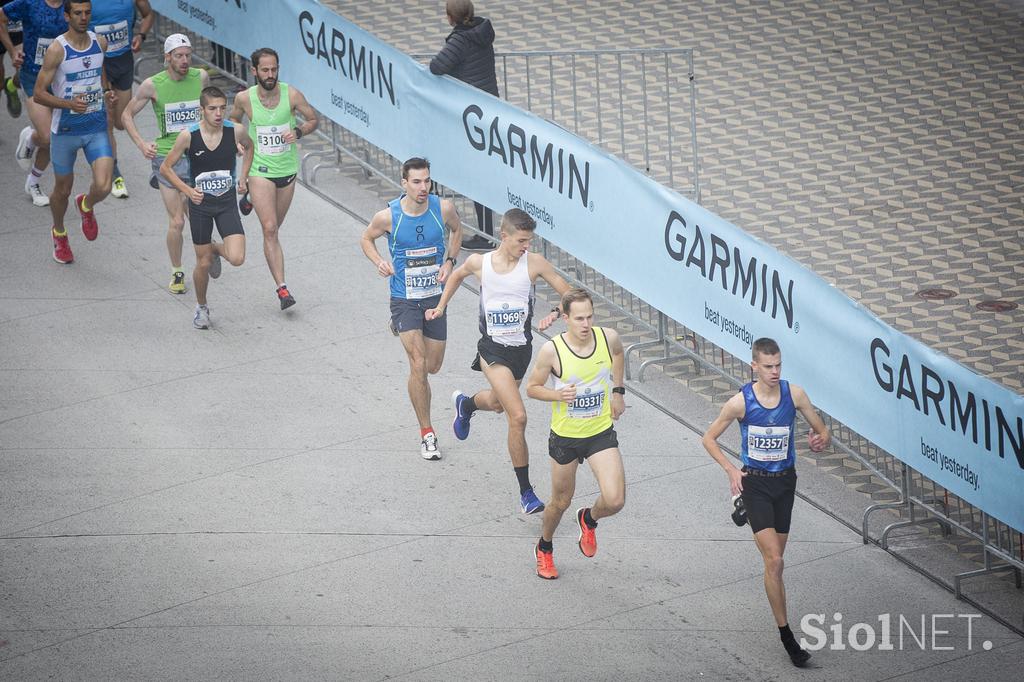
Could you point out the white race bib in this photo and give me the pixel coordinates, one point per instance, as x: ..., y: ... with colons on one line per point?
x: 421, y: 270
x: 214, y: 183
x: 505, y: 319
x: 41, y: 46
x: 587, y: 404
x: 116, y: 35
x: 767, y: 443
x: 180, y: 116
x: 93, y: 95
x: 270, y: 140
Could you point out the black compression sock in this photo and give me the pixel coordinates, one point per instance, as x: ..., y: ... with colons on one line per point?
x: 523, y: 475
x: 469, y: 405
x: 588, y: 519
x: 546, y: 545
x: 798, y: 656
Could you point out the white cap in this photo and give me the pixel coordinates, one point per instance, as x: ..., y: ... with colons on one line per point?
x: 175, y: 41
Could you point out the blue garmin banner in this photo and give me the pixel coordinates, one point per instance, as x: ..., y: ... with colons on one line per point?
x: 963, y: 431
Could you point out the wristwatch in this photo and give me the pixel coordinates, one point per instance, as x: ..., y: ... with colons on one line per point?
x: 451, y: 260
x: 621, y: 390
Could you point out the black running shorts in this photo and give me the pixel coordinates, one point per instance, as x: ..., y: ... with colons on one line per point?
x: 769, y: 500
x: 222, y: 213
x: 516, y: 358
x: 564, y: 450
x: 120, y: 70
x: 408, y: 315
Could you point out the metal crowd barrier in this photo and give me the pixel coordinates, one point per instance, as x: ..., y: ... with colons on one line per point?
x: 620, y: 125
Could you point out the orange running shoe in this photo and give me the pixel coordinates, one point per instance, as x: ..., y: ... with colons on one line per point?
x: 588, y: 538
x: 545, y: 564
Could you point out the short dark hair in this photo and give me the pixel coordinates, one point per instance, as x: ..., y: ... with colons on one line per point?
x: 461, y: 11
x: 517, y: 219
x: 415, y: 163
x: 263, y: 52
x: 575, y: 296
x: 68, y: 3
x: 211, y: 92
x: 764, y: 346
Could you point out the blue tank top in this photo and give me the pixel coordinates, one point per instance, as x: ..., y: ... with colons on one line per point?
x: 416, y: 244
x: 767, y: 434
x: 40, y: 25
x: 79, y: 73
x: 113, y: 19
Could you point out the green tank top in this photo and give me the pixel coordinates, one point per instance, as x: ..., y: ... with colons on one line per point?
x: 591, y: 412
x: 176, y: 106
x: 273, y: 158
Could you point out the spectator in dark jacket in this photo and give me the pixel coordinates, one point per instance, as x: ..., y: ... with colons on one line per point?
x: 468, y: 55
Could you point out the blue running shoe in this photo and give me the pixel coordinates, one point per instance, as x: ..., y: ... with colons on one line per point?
x: 530, y: 503
x: 460, y: 425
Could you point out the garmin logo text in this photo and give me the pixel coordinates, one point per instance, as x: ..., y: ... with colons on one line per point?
x: 547, y: 164
x: 940, y: 399
x: 355, y: 62
x: 751, y: 280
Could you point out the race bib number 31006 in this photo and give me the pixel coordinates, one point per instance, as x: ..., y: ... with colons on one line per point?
x: 270, y: 140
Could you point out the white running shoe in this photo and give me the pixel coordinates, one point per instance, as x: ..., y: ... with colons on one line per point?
x: 428, y: 447
x: 24, y: 152
x: 39, y: 198
x: 118, y: 188
x: 202, y: 318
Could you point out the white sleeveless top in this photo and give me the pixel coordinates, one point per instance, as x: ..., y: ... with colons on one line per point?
x: 506, y: 303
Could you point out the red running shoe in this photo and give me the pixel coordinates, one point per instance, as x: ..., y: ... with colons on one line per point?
x: 545, y: 564
x: 588, y: 538
x: 61, y: 250
x: 90, y: 228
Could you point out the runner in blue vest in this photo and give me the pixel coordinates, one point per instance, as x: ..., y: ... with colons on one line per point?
x: 418, y: 265
x: 41, y: 22
x: 72, y: 83
x: 115, y: 21
x: 766, y: 411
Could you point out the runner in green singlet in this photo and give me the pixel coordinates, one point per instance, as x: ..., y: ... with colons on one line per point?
x: 270, y: 107
x: 174, y: 95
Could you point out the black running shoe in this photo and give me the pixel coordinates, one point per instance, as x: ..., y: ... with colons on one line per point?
x: 287, y: 301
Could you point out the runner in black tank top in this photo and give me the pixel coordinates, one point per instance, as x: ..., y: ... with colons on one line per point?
x: 210, y: 148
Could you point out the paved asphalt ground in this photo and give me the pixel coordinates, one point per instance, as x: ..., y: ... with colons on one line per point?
x: 249, y: 502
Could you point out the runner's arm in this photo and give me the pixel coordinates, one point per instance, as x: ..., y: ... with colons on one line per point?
x: 239, y: 107
x: 732, y: 410
x: 820, y: 438
x: 543, y: 367
x: 377, y: 228
x: 471, y: 266
x: 301, y: 106
x: 618, y: 370
x: 108, y: 92
x: 167, y: 167
x: 242, y: 138
x: 143, y: 96
x: 451, y: 220
x: 5, y: 38
x: 540, y: 267
x: 143, y: 9
x: 42, y: 95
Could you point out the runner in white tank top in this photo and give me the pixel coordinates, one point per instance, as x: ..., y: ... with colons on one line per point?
x: 507, y: 277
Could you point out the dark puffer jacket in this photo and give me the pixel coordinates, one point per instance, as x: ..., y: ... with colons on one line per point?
x: 468, y: 54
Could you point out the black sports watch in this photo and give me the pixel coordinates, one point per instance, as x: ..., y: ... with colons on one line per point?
x: 621, y: 390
